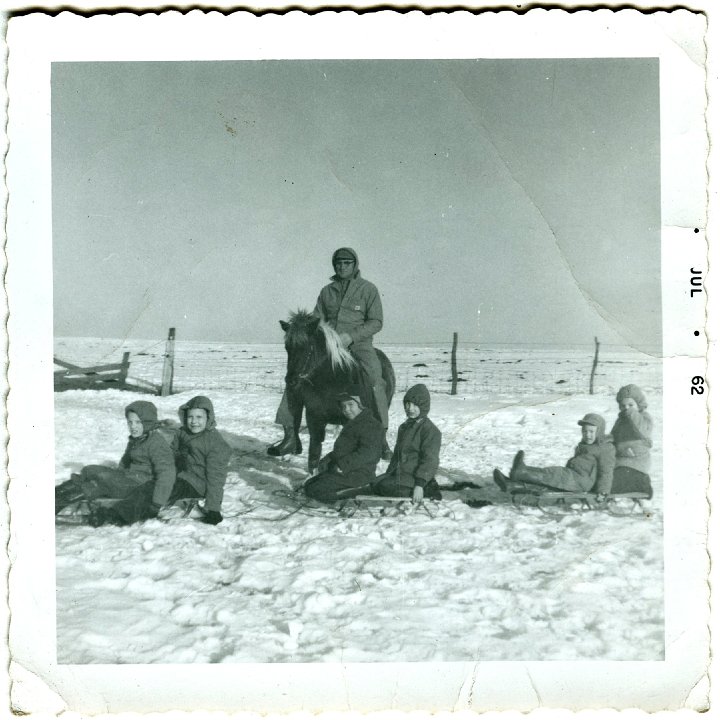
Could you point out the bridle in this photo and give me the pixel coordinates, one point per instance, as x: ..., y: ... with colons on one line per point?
x: 305, y: 373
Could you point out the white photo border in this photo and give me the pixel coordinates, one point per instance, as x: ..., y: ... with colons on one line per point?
x: 39, y: 683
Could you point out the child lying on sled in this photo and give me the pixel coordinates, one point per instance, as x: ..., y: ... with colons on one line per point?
x: 590, y: 468
x: 147, y: 464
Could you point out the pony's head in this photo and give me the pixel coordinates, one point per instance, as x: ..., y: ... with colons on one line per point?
x: 309, y: 342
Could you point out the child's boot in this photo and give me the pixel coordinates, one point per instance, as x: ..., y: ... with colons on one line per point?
x: 513, y: 486
x: 522, y: 473
x: 105, y: 516
x: 501, y: 480
x: 518, y: 465
x: 432, y: 490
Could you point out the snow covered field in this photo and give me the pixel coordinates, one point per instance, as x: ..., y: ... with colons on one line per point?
x: 268, y: 585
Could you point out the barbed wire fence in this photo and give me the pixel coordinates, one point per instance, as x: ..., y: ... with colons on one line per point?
x: 481, y: 370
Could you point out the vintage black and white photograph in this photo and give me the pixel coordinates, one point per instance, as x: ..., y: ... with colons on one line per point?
x: 358, y: 360
x: 511, y: 207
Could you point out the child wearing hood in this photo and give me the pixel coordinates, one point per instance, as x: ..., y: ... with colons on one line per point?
x: 415, y: 460
x: 349, y: 468
x: 146, y: 464
x: 632, y: 435
x: 589, y: 469
x: 201, y: 458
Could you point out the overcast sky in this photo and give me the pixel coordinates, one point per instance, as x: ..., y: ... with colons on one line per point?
x: 508, y: 200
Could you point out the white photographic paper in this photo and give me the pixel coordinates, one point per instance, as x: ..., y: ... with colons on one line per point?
x: 534, y: 182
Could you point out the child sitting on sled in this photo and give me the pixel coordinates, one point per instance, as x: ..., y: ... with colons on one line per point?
x: 590, y: 468
x: 201, y: 463
x: 201, y: 457
x: 146, y: 464
x: 415, y: 460
x: 632, y: 436
x: 348, y: 469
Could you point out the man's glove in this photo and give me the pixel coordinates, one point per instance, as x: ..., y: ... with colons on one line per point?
x: 601, y: 498
x: 346, y: 340
x: 212, y: 517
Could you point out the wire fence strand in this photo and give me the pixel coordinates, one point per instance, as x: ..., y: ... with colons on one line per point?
x: 482, y: 370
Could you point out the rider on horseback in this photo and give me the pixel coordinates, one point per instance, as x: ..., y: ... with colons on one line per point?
x: 350, y: 305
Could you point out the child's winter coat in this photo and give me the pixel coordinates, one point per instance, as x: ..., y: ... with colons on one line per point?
x: 202, y: 459
x: 632, y: 433
x: 149, y: 458
x: 416, y: 456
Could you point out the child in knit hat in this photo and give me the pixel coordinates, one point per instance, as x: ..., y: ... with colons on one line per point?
x: 415, y: 460
x: 590, y: 469
x: 147, y: 462
x: 632, y: 436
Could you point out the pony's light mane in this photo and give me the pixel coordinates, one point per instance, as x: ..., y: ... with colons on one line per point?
x: 340, y: 357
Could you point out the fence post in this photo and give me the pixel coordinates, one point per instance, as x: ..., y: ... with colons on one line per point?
x: 168, y: 364
x: 453, y: 365
x: 124, y: 367
x: 594, y: 366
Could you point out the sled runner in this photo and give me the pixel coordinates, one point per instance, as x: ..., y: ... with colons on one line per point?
x: 562, y: 503
x: 383, y: 506
x: 83, y: 512
x: 88, y: 512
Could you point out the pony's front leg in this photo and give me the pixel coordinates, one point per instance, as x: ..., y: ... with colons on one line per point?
x: 316, y: 430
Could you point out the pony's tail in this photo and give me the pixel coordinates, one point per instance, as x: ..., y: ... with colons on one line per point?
x: 340, y: 357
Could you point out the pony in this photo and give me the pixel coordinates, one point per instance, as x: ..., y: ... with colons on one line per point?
x: 318, y: 369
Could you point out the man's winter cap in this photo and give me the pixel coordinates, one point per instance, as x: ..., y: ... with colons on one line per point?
x: 146, y: 411
x: 351, y: 392
x: 596, y: 420
x: 634, y: 392
x: 344, y: 253
x: 202, y: 402
x: 419, y: 395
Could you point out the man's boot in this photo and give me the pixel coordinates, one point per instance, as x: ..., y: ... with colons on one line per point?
x: 68, y: 493
x: 289, y: 445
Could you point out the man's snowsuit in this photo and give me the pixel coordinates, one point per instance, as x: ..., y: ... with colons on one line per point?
x: 632, y: 436
x: 147, y: 463
x: 352, y: 462
x: 416, y: 456
x: 590, y: 468
x: 354, y: 307
x: 201, y: 458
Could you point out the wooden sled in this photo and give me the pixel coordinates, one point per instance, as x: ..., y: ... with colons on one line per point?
x: 382, y: 506
x: 563, y: 503
x: 81, y: 512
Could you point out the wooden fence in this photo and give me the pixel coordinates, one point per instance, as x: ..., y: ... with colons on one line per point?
x: 98, y: 377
